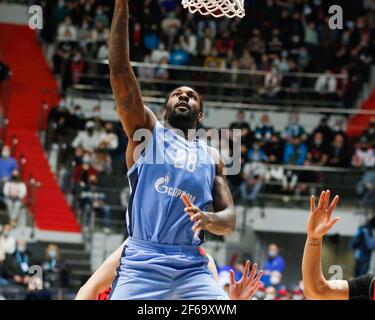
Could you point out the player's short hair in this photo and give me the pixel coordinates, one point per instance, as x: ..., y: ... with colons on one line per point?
x: 199, y: 96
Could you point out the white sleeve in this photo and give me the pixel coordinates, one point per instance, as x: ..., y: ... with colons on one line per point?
x: 77, y: 140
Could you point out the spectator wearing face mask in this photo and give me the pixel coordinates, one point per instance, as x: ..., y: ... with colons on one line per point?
x: 273, y: 266
x: 108, y: 139
x: 294, y: 128
x: 14, y: 192
x: 67, y: 32
x: 93, y: 203
x: 339, y: 155
x: 18, y: 264
x: 7, y: 247
x: 88, y: 139
x: 77, y: 119
x: 265, y: 131
x: 54, y: 272
x: 295, y: 152
x: 364, y: 155
x: 7, y: 164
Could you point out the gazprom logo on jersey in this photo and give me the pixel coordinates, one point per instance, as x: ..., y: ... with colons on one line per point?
x: 161, y: 186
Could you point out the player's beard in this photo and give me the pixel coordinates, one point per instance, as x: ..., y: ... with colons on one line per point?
x: 182, y: 120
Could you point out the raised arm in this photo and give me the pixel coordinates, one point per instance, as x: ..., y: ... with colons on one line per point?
x: 132, y: 113
x: 223, y: 220
x: 314, y: 283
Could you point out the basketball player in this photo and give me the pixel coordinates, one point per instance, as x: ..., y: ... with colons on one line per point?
x: 314, y: 283
x: 96, y: 286
x: 162, y: 259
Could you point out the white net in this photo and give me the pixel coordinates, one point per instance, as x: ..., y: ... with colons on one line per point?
x: 216, y: 8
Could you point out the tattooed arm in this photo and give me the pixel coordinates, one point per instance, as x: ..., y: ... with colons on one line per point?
x: 132, y: 113
x: 314, y: 283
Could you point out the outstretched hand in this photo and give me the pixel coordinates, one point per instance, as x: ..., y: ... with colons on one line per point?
x: 320, y: 219
x: 248, y: 285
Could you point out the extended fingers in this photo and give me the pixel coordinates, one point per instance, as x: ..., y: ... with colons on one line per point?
x: 231, y: 277
x: 191, y: 210
x: 253, y: 271
x: 333, y: 222
x: 333, y: 206
x: 246, y: 270
x: 312, y: 203
x: 321, y: 200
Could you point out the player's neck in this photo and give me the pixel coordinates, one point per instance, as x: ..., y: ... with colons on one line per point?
x: 182, y: 132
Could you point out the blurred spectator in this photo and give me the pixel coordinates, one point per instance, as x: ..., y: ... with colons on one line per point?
x: 77, y: 119
x: 82, y: 172
x: 88, y: 139
x: 338, y: 154
x: 159, y: 54
x: 293, y: 128
x: 317, y: 154
x: 7, y: 247
x: 67, y: 32
x: 254, y: 176
x: 274, y: 149
x: 14, y: 192
x: 272, y: 84
x: 289, y: 182
x: 270, y: 293
x: 324, y: 128
x: 369, y: 133
x: 265, y: 131
x: 366, y: 189
x: 7, y: 164
x: 326, y: 85
x: 54, y: 271
x: 17, y: 265
x: 364, y: 154
x: 93, y: 203
x: 244, y: 126
x: 256, y: 153
x: 178, y: 56
x: 273, y: 267
x: 108, y: 139
x: 363, y: 244
x: 295, y: 152
x: 101, y: 160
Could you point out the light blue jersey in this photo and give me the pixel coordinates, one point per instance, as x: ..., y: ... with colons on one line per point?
x: 162, y: 259
x: 169, y: 166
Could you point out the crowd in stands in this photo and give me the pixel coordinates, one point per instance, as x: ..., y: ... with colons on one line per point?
x: 327, y: 145
x: 91, y: 147
x: 276, y: 37
x: 16, y: 261
x: 273, y: 286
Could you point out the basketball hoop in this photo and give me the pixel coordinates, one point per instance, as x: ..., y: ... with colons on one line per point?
x: 216, y: 8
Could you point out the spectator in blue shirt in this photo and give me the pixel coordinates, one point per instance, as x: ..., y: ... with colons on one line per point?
x: 178, y: 56
x: 256, y: 153
x: 293, y: 128
x: 273, y: 267
x: 295, y: 152
x: 151, y: 39
x: 7, y: 164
